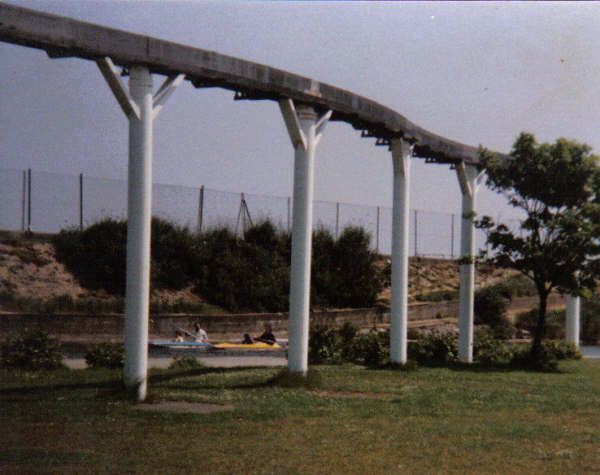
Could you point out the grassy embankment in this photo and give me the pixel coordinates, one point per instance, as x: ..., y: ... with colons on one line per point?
x: 352, y: 421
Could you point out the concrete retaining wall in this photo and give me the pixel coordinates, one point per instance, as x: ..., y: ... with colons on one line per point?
x: 111, y: 326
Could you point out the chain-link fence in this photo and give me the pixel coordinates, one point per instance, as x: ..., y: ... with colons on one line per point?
x: 48, y: 202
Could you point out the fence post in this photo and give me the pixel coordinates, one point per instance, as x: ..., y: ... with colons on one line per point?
x: 29, y: 200
x: 452, y: 236
x: 416, y: 232
x: 377, y: 233
x: 289, y: 204
x: 23, y: 193
x: 200, y: 208
x: 81, y: 201
x: 337, y: 219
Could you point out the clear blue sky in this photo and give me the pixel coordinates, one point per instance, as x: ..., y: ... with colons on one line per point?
x: 476, y: 73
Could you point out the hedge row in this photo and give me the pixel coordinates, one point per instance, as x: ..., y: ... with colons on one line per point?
x: 238, y: 274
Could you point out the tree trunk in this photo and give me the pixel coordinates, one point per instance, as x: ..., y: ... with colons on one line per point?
x: 540, y: 327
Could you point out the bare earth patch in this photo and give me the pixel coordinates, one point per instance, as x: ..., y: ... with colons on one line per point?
x: 183, y: 407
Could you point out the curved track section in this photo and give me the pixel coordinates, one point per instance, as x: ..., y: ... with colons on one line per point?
x: 64, y: 37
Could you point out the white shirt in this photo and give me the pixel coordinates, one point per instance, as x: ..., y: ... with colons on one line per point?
x: 201, y: 335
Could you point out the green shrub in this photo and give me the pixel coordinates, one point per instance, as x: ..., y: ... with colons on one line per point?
x: 33, y: 350
x: 244, y: 275
x: 346, y: 334
x: 517, y: 286
x: 371, y: 349
x: 546, y: 360
x: 105, y: 355
x: 561, y: 349
x: 323, y: 268
x: 324, y: 345
x: 185, y: 362
x: 551, y: 352
x: 491, y: 304
x: 590, y: 320
x: 490, y: 351
x: 250, y: 274
x: 97, y: 255
x: 356, y: 282
x: 434, y: 349
x: 555, y: 322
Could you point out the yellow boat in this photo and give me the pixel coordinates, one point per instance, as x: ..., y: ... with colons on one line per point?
x: 249, y: 346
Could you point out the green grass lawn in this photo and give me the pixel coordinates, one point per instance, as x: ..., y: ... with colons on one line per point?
x: 353, y: 420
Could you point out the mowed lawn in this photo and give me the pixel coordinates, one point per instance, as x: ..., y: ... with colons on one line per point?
x: 352, y: 420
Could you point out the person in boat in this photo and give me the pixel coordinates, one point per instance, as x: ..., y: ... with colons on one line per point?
x: 178, y: 336
x: 200, y: 334
x: 247, y: 339
x: 267, y: 336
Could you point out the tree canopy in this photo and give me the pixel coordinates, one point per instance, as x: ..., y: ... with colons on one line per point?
x: 557, y: 245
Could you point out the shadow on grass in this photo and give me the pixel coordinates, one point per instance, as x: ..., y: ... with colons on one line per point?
x: 114, y: 386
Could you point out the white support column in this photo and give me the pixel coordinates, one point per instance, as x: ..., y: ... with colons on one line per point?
x: 573, y: 319
x: 141, y: 108
x: 469, y: 178
x: 401, y: 153
x: 139, y: 214
x: 305, y: 128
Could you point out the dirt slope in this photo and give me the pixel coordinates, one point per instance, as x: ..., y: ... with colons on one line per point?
x: 29, y: 269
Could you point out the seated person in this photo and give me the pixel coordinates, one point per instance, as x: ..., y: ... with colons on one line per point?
x: 200, y: 335
x: 247, y: 340
x: 178, y: 336
x: 267, y: 336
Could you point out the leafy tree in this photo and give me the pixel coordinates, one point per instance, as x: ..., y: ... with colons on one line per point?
x: 554, y: 186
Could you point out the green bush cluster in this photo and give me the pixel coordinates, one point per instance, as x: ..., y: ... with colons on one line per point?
x: 372, y: 349
x: 105, y: 355
x: 489, y: 351
x: 249, y: 274
x: 97, y: 255
x: 555, y: 322
x: 244, y: 274
x: 434, y: 348
x: 33, y: 350
x: 590, y: 319
x: 346, y: 344
x: 491, y: 304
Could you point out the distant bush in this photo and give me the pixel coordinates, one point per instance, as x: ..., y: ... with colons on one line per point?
x: 562, y: 350
x: 491, y: 304
x: 555, y: 322
x: 33, y: 350
x: 105, y: 355
x: 590, y: 320
x: 323, y: 268
x: 516, y: 286
x: 371, y: 349
x: 97, y: 255
x: 324, y: 345
x: 249, y: 274
x: 244, y: 275
x: 331, y: 345
x: 434, y: 348
x: 490, y: 351
x: 356, y: 281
